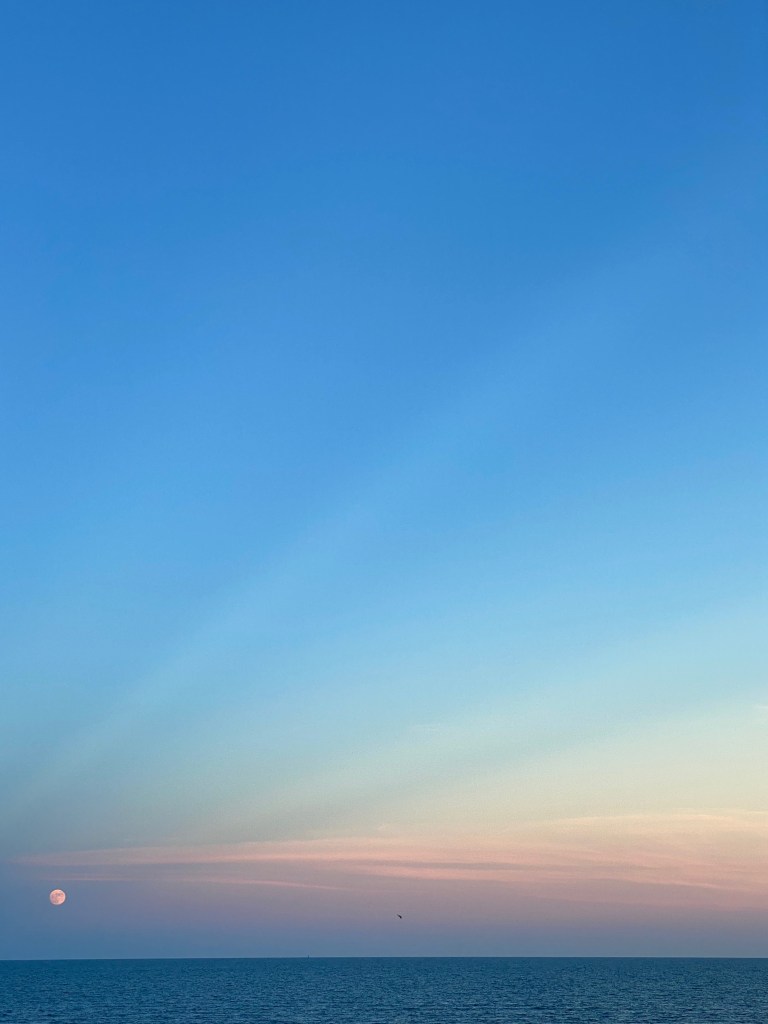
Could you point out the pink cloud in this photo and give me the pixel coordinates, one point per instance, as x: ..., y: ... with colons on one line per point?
x: 718, y: 859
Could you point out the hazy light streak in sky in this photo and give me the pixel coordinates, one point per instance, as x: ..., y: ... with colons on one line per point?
x: 385, y: 395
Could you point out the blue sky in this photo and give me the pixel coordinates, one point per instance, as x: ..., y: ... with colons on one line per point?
x: 383, y: 394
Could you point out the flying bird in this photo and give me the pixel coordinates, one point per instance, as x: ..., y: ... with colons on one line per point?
x: 400, y: 916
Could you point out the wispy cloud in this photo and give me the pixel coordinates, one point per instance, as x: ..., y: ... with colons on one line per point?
x: 715, y: 855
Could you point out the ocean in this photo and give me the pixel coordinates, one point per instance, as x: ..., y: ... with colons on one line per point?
x: 385, y: 991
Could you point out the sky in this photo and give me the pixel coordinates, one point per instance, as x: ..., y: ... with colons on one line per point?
x: 383, y: 415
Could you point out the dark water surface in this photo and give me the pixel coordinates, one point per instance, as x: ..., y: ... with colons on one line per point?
x: 385, y: 991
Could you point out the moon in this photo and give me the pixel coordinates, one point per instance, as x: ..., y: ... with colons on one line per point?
x: 57, y: 897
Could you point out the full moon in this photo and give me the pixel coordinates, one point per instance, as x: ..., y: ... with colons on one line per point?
x: 57, y: 897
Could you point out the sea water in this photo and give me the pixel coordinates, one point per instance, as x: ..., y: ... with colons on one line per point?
x: 385, y: 991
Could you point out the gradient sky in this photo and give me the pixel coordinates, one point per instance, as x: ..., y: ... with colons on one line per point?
x: 383, y: 406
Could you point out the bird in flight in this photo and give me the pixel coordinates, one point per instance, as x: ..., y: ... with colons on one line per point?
x: 400, y: 916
